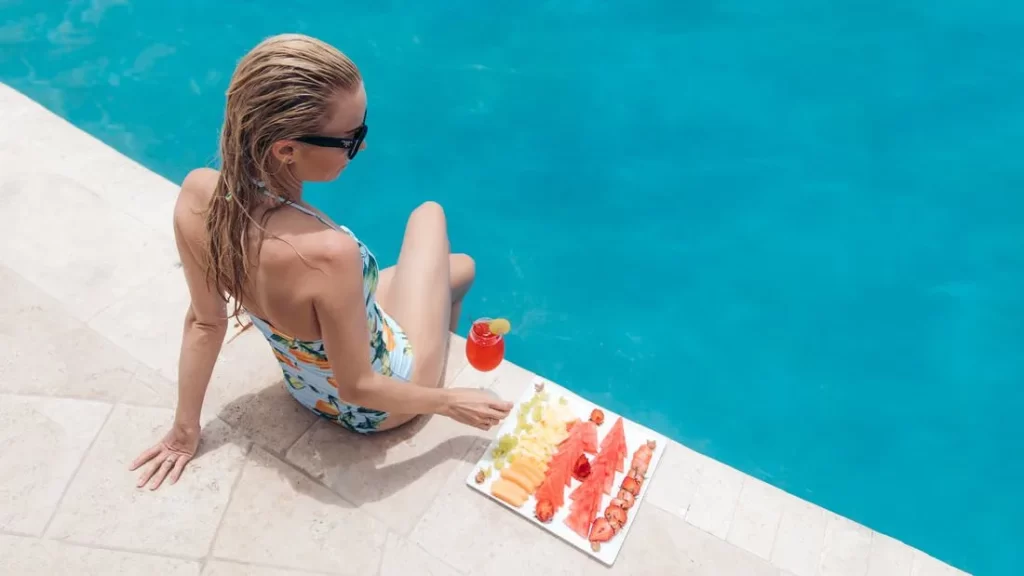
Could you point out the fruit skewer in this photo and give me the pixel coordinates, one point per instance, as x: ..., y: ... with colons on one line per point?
x: 615, y: 515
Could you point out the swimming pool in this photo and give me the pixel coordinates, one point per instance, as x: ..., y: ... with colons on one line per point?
x: 789, y: 236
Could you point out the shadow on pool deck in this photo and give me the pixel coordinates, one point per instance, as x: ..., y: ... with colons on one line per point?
x: 355, y: 467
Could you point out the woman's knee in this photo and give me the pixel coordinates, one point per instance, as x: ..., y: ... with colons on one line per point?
x: 463, y: 270
x: 428, y: 221
x: 429, y: 212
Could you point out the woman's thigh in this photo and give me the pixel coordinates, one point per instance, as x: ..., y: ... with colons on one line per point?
x: 462, y: 273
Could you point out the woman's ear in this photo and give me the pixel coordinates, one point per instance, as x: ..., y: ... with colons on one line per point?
x: 283, y: 151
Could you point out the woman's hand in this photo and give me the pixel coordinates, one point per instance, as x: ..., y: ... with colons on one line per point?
x: 169, y: 456
x: 475, y: 407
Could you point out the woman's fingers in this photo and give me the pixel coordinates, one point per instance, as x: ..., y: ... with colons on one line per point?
x: 146, y: 456
x: 151, y: 469
x: 179, y: 466
x: 165, y: 466
x: 502, y: 406
x: 492, y: 414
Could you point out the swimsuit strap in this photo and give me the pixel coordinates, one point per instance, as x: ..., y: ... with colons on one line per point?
x: 299, y: 207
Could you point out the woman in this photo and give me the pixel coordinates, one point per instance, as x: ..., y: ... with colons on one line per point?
x: 363, y: 347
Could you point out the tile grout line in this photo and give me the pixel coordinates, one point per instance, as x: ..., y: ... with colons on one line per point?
x: 383, y: 550
x: 78, y: 468
x: 82, y: 398
x: 273, y: 566
x: 448, y: 478
x: 109, y: 548
x: 435, y: 557
x: 284, y: 453
x: 775, y: 538
x: 732, y: 517
x: 144, y: 284
x: 231, y: 497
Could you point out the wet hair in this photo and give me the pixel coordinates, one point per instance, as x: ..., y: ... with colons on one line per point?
x: 282, y: 89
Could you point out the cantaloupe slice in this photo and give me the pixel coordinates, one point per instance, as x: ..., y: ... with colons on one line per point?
x: 519, y: 478
x: 509, y: 492
x: 534, y: 463
x: 535, y: 476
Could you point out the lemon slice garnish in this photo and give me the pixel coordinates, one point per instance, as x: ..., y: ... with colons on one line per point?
x: 499, y: 326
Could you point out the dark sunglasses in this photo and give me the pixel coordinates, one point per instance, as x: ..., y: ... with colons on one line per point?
x: 352, y: 144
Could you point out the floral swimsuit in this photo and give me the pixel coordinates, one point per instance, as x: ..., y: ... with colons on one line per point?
x: 307, y: 371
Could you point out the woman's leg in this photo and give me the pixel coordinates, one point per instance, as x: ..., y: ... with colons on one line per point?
x: 462, y: 271
x: 422, y: 293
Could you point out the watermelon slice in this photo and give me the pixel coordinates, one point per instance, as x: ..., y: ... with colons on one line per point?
x: 586, y: 502
x: 559, y: 474
x: 583, y: 491
x: 579, y: 523
x: 588, y: 431
x: 615, y: 443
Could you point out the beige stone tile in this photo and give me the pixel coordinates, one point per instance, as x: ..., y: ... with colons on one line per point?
x: 392, y: 475
x: 889, y: 557
x: 48, y: 352
x: 924, y: 565
x: 477, y: 536
x: 279, y: 517
x: 662, y: 543
x: 224, y: 568
x: 508, y: 380
x: 756, y: 521
x: 675, y: 480
x: 86, y: 268
x: 846, y: 548
x: 42, y: 443
x: 402, y: 557
x: 714, y: 502
x: 247, y: 391
x: 801, y: 536
x: 35, y: 140
x: 148, y: 388
x: 457, y: 361
x: 103, y: 507
x: 148, y: 322
x: 32, y: 557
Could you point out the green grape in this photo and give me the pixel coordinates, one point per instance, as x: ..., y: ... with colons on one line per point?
x: 563, y: 400
x: 499, y: 463
x: 507, y: 442
x: 511, y: 458
x: 538, y: 413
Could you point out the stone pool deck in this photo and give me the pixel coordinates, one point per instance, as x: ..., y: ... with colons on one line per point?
x: 91, y: 308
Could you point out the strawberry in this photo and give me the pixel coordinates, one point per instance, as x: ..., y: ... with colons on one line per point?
x: 626, y: 498
x: 631, y: 485
x: 581, y: 469
x: 597, y: 416
x: 615, y: 515
x: 544, y: 511
x: 601, y: 531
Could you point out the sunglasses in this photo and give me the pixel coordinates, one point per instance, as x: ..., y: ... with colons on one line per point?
x: 352, y: 144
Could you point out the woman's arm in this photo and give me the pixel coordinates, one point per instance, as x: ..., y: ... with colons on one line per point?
x: 337, y: 285
x: 206, y: 320
x: 203, y: 335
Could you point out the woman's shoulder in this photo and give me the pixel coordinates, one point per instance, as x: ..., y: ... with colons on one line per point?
x: 199, y: 184
x: 194, y: 199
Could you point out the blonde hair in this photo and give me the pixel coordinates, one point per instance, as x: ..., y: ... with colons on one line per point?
x: 280, y: 90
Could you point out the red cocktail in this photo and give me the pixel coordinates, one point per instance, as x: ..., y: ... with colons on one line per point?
x: 484, y: 348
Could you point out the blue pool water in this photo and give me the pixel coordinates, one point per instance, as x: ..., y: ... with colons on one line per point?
x: 788, y: 233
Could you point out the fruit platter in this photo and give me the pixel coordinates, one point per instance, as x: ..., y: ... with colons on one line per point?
x: 572, y: 468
